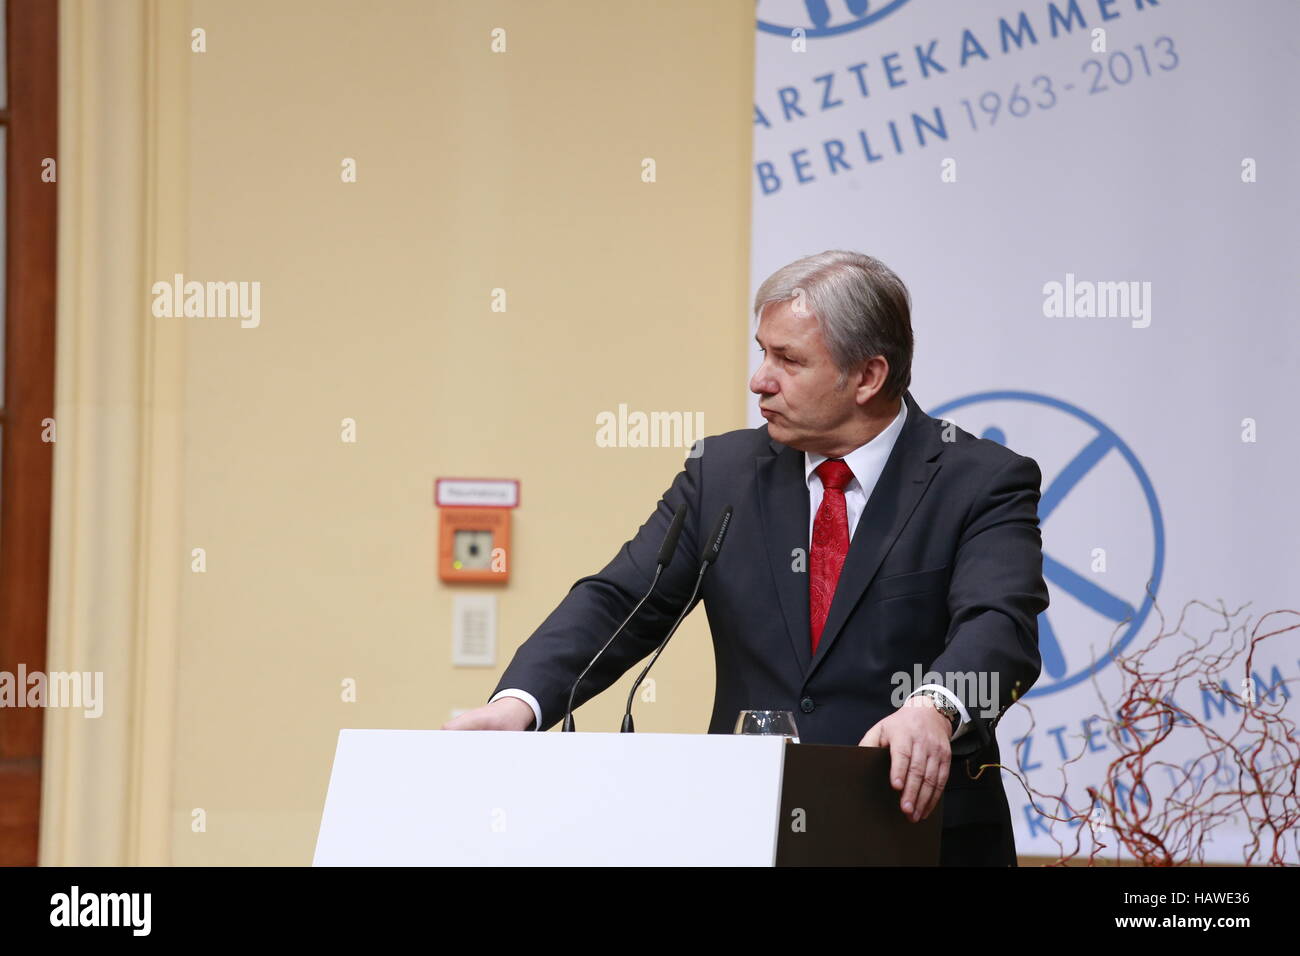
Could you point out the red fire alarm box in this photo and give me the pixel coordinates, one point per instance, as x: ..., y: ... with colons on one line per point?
x: 474, y: 528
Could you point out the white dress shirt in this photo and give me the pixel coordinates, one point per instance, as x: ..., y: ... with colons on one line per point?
x: 866, y: 462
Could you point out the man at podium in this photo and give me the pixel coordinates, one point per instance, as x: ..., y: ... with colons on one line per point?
x: 870, y: 544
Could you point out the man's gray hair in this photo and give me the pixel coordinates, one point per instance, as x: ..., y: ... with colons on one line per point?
x: 861, y: 306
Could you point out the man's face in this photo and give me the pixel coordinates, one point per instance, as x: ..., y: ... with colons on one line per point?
x: 796, y: 384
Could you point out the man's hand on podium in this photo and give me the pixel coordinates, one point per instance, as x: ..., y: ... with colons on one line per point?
x: 920, y: 750
x: 508, y: 713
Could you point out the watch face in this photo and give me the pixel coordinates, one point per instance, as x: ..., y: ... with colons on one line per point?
x: 945, y: 706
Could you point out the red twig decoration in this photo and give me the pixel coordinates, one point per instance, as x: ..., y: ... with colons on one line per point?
x: 1160, y: 811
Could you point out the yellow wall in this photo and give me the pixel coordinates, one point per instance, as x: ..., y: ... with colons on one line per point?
x: 476, y: 171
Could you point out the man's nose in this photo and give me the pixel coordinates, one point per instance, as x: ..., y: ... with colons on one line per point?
x: 761, y: 383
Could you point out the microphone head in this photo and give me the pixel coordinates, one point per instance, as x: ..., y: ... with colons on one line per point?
x: 713, y: 544
x: 669, y: 547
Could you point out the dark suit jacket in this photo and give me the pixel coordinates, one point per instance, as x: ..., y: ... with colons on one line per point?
x: 944, y: 571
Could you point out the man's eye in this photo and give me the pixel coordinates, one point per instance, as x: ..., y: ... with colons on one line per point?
x: 781, y: 358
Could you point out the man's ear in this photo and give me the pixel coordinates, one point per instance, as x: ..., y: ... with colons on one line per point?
x: 871, y: 378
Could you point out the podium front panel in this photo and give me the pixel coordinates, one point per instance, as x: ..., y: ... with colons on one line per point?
x: 493, y: 798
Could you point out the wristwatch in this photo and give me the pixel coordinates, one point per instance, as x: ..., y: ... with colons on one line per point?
x: 943, y: 705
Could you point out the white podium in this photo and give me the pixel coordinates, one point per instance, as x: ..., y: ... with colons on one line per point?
x: 500, y: 798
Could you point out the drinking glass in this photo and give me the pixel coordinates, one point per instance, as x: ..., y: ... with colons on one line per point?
x: 779, y: 723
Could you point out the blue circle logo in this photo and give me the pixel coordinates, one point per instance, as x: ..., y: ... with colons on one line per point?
x: 1089, y: 444
x: 822, y: 18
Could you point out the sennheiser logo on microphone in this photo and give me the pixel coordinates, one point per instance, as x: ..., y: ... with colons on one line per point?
x: 722, y: 532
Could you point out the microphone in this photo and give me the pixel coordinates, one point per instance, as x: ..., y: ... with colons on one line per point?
x: 666, y: 551
x: 712, y: 548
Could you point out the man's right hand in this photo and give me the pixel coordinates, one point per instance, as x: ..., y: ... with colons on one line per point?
x: 508, y: 713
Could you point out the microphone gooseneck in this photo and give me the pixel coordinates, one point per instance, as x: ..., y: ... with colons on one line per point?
x: 666, y: 552
x: 712, y: 548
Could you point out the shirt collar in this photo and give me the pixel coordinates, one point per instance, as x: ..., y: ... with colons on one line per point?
x: 868, y: 459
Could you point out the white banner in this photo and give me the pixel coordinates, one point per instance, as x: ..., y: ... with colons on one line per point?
x: 1093, y: 204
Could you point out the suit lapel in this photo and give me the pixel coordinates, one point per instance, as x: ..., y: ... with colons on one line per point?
x: 783, y: 505
x: 783, y: 502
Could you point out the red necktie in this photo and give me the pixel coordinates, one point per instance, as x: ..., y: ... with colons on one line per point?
x: 830, y: 543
